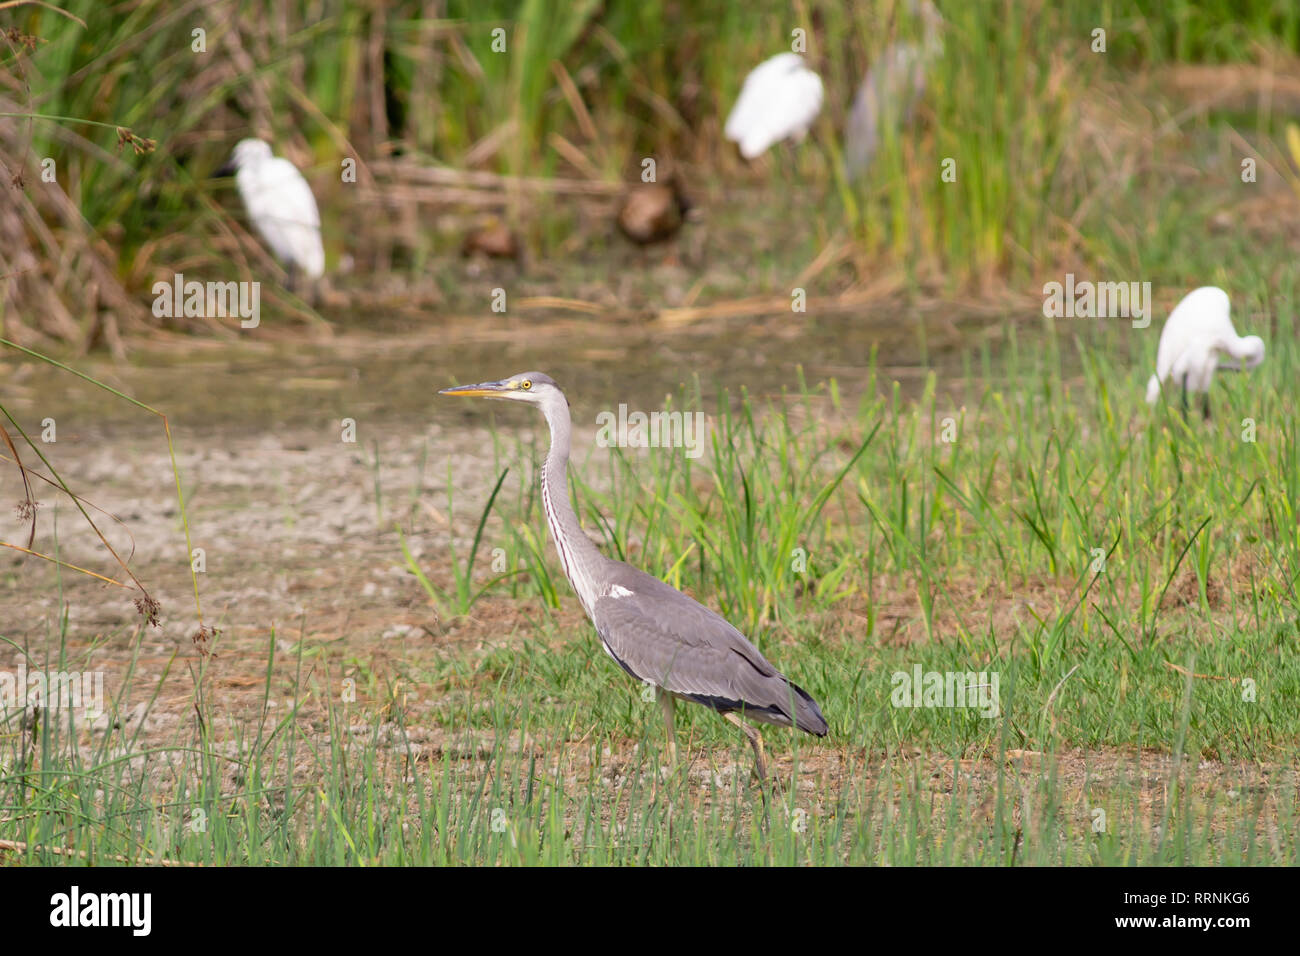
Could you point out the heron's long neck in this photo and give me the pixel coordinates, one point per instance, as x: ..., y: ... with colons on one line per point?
x: 581, y: 559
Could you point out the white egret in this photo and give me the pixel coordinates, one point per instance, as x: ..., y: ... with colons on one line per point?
x: 280, y: 205
x: 1197, y: 339
x: 779, y: 100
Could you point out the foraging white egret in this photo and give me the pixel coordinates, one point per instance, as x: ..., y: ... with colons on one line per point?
x: 1197, y: 339
x: 281, y: 206
x: 779, y: 100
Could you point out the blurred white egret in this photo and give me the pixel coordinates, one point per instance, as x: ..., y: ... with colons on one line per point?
x: 890, y: 90
x: 779, y: 100
x: 281, y: 206
x: 1197, y: 339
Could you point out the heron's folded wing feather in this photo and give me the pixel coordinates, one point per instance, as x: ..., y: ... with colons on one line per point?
x: 661, y: 636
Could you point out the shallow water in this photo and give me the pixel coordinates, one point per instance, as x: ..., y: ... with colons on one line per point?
x: 258, y: 384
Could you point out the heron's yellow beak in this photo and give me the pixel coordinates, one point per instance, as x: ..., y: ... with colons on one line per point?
x: 482, y: 390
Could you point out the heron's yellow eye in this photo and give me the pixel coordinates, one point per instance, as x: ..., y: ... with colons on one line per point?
x: 525, y: 385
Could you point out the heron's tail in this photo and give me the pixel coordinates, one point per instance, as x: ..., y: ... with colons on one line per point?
x: 1153, y: 390
x: 807, y: 715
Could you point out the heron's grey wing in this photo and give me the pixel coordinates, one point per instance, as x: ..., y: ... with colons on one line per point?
x: 659, y: 635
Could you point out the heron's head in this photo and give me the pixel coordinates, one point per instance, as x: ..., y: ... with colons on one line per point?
x: 536, y: 388
x: 247, y: 152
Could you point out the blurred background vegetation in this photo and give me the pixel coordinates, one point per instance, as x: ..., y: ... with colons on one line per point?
x: 1127, y: 162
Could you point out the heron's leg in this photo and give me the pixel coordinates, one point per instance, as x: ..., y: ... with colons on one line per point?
x: 1205, y: 405
x: 666, y: 705
x: 755, y: 741
x: 1184, y: 397
x: 291, y: 278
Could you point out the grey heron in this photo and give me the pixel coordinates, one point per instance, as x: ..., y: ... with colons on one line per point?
x: 656, y: 633
x: 891, y: 89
